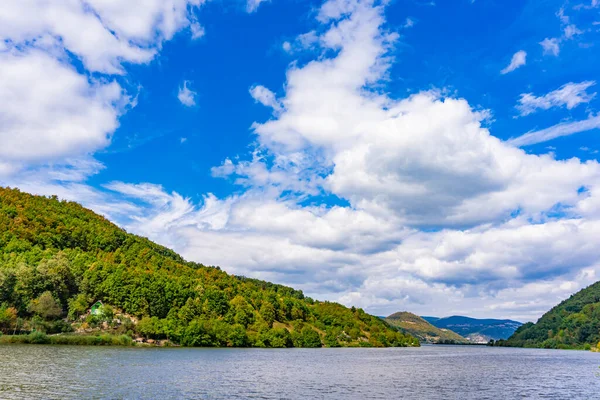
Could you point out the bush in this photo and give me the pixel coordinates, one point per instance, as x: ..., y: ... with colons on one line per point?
x: 310, y: 337
x: 38, y: 338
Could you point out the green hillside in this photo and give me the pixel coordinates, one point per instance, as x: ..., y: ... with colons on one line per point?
x: 423, y: 330
x: 574, y: 323
x: 57, y: 259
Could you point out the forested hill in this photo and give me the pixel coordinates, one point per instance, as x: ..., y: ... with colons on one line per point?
x: 574, y: 323
x: 423, y: 330
x: 58, y: 258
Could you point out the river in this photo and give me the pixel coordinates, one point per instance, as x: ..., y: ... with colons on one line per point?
x: 429, y: 372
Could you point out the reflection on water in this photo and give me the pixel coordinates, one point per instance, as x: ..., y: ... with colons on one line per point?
x: 430, y: 372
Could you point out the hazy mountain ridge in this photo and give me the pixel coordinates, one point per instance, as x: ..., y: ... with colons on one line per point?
x: 474, y: 329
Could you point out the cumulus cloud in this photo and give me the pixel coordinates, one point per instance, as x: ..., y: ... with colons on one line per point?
x: 569, y: 95
x: 435, y: 211
x: 514, y: 269
x: 186, y: 96
x: 102, y: 33
x: 50, y: 109
x: 518, y: 60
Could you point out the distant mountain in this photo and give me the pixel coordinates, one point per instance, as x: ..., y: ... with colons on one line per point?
x: 476, y: 330
x: 422, y: 329
x: 574, y: 323
x: 431, y: 320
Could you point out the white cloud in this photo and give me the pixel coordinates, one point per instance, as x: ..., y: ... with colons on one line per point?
x: 104, y: 34
x: 564, y: 19
x: 551, y: 46
x: 569, y: 95
x: 197, y: 30
x: 558, y: 130
x: 302, y: 42
x: 49, y: 111
x: 513, y: 270
x: 518, y: 60
x: 265, y: 97
x: 571, y: 31
x: 252, y: 5
x: 510, y: 232
x: 186, y: 96
x: 66, y: 179
x: 409, y: 23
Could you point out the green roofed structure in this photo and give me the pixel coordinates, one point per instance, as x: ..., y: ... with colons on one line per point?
x: 96, y: 308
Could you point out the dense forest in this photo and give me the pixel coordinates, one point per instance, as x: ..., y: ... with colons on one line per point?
x: 57, y: 259
x: 573, y: 324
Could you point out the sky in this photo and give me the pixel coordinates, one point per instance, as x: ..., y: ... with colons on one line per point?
x: 439, y: 157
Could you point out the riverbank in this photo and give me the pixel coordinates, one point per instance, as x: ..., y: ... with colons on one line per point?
x: 73, y: 339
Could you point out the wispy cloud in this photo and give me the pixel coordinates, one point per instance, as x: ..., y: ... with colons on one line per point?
x: 265, y: 97
x: 197, y: 30
x: 562, y: 16
x: 409, y: 23
x: 558, y: 130
x: 518, y: 60
x: 186, y: 96
x: 569, y: 95
x: 252, y: 5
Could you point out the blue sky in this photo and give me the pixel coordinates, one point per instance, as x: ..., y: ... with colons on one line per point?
x: 436, y: 157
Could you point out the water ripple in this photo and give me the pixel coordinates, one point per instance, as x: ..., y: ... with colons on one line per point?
x: 430, y: 372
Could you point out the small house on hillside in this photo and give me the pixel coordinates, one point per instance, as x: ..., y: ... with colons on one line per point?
x: 96, y: 308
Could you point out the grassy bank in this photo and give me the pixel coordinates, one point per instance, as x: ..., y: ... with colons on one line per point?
x: 84, y: 340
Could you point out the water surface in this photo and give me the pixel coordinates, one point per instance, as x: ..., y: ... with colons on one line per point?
x: 429, y: 372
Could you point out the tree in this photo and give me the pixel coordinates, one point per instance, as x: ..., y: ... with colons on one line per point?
x: 8, y: 318
x: 237, y: 336
x: 267, y: 311
x: 150, y: 327
x: 78, y: 306
x: 45, y: 306
x: 310, y: 337
x: 331, y: 338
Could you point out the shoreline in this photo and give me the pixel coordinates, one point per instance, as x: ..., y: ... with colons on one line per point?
x: 72, y: 340
x: 105, y: 339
